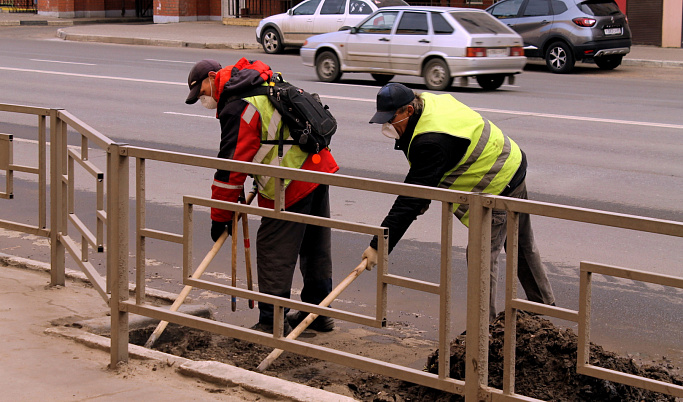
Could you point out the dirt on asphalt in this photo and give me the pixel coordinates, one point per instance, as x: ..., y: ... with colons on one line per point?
x: 545, y: 368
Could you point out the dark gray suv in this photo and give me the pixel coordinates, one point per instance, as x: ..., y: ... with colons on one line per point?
x: 565, y: 31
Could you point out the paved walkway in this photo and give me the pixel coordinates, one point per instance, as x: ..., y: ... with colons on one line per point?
x: 43, y: 355
x: 236, y: 34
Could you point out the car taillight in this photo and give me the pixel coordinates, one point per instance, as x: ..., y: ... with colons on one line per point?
x: 305, y: 43
x: 516, y: 51
x: 584, y: 22
x: 476, y: 52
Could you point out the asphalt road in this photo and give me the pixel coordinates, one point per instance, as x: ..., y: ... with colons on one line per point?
x: 594, y: 139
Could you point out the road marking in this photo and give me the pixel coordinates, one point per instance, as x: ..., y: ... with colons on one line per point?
x: 171, y: 61
x: 191, y: 115
x: 63, y: 62
x: 544, y: 115
x: 501, y: 111
x: 583, y: 118
x: 106, y: 77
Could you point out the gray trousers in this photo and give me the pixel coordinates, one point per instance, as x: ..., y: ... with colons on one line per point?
x: 530, y: 270
x: 280, y: 243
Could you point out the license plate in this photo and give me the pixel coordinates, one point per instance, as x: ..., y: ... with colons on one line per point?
x: 612, y: 31
x: 497, y: 52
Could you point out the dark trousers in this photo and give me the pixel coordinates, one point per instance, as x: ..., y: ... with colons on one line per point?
x: 280, y: 243
x: 530, y: 270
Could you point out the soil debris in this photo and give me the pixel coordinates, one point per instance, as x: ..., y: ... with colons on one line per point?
x: 545, y: 365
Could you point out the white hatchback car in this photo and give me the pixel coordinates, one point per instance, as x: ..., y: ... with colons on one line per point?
x: 313, y: 17
x: 437, y: 43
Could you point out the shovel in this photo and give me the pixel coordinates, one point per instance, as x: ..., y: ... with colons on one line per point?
x: 312, y: 316
x: 198, y: 273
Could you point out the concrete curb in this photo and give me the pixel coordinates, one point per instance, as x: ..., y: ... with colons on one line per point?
x: 210, y: 371
x: 153, y: 42
x: 273, y: 387
x: 652, y: 63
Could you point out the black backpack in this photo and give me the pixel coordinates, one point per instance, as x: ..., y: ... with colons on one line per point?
x: 311, y: 125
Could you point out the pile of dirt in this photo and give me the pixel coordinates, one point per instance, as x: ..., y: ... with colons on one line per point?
x: 545, y: 369
x: 546, y: 365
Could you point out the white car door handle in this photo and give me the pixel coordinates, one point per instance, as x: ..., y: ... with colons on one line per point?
x: 423, y: 41
x: 384, y: 39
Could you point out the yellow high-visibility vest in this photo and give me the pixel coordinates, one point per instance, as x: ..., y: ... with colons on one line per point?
x: 491, y: 160
x: 271, y: 123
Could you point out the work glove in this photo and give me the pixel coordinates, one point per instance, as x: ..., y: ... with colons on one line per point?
x: 371, y: 255
x: 217, y: 229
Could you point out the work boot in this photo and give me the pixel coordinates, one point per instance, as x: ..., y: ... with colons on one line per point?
x: 320, y: 324
x: 268, y: 328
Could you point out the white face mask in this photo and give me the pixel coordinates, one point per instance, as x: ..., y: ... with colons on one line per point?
x: 208, y: 101
x: 389, y: 131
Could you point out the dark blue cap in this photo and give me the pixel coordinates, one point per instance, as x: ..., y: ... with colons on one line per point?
x: 390, y: 98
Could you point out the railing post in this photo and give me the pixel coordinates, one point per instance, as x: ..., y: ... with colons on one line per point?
x: 117, y: 248
x: 445, y: 290
x: 478, y: 297
x: 57, y: 206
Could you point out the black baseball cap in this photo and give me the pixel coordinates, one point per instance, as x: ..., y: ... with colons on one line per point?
x: 198, y: 73
x: 389, y: 99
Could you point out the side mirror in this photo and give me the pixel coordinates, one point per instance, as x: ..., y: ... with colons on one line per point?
x: 354, y: 30
x: 290, y: 11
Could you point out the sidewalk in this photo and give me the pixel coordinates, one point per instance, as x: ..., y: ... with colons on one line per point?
x: 44, y: 355
x: 236, y: 34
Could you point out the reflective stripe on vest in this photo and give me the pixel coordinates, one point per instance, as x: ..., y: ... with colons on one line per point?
x: 271, y: 122
x: 491, y: 159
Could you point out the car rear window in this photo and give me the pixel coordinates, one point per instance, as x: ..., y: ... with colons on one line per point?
x: 413, y: 24
x: 599, y: 8
x: 479, y: 23
x: 333, y: 7
x: 441, y: 26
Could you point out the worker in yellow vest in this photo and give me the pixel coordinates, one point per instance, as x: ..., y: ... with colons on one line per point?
x: 449, y: 145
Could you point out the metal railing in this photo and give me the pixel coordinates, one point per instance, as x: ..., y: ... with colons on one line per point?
x: 111, y: 186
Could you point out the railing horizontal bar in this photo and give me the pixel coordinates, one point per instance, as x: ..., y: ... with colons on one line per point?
x: 24, y: 109
x: 83, y: 229
x: 641, y: 276
x: 87, y: 268
x: 288, y: 216
x: 552, y: 311
x: 410, y: 283
x: 280, y: 301
x: 98, y: 138
x: 20, y: 227
x: 102, y: 214
x: 336, y: 180
x: 161, y: 235
x: 630, y: 379
x: 299, y: 347
x: 25, y: 169
x: 498, y: 396
x: 87, y: 165
x: 592, y: 216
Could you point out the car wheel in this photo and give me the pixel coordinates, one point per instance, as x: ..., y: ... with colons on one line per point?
x: 559, y: 58
x: 327, y: 67
x: 437, y: 75
x: 382, y: 78
x: 490, y: 82
x: 608, y: 62
x: 271, y: 41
